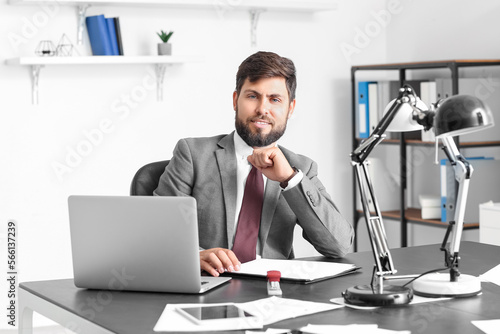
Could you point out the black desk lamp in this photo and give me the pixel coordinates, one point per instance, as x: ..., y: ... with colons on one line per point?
x: 456, y: 115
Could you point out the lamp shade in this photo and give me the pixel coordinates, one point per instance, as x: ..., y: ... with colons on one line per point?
x: 461, y: 114
x: 403, y: 121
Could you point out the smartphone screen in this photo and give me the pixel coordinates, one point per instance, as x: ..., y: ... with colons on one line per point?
x: 202, y: 313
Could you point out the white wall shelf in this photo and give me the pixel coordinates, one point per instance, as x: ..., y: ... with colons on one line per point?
x: 160, y: 63
x: 254, y: 7
x: 284, y: 5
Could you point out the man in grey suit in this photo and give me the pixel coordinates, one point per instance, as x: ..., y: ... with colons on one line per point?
x: 214, y: 171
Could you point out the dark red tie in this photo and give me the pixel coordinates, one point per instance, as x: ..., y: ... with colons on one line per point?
x: 247, y: 232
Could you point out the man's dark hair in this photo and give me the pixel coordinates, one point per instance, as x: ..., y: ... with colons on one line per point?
x: 262, y: 65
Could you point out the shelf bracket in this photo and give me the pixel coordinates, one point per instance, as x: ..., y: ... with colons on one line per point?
x: 254, y: 20
x: 82, y: 10
x: 35, y: 75
x: 160, y: 70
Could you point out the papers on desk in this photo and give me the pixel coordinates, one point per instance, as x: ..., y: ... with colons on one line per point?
x: 270, y: 310
x: 492, y: 275
x: 348, y: 329
x: 487, y: 326
x: 295, y: 270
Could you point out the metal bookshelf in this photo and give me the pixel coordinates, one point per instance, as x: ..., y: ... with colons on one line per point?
x: 404, y: 214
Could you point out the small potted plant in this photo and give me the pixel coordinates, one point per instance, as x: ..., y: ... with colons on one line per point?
x: 165, y: 48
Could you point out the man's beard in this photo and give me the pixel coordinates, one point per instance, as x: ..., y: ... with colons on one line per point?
x: 258, y: 139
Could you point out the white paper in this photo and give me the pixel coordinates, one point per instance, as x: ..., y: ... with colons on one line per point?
x: 487, y: 326
x: 293, y: 269
x: 348, y: 329
x: 274, y: 309
x: 492, y: 275
x: 416, y: 300
x: 270, y: 310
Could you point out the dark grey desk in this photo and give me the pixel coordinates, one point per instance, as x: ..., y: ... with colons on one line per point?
x: 92, y: 311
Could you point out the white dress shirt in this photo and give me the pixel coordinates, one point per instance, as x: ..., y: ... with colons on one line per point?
x: 243, y: 167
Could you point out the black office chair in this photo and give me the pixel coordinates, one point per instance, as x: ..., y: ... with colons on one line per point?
x: 146, y: 179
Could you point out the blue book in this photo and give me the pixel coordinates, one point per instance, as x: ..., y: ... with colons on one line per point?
x: 99, y: 35
x: 112, y: 35
x: 363, y: 109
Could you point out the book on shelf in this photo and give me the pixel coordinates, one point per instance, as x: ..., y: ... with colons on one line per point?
x: 103, y: 35
x: 112, y: 35
x: 118, y: 35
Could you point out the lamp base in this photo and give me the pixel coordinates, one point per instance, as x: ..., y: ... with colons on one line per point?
x: 439, y: 285
x: 365, y: 295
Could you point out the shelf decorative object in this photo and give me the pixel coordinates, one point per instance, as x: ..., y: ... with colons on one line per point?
x: 64, y: 48
x: 45, y: 49
x: 165, y: 48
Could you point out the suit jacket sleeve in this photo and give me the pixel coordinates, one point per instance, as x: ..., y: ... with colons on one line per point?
x: 323, y: 226
x: 178, y: 178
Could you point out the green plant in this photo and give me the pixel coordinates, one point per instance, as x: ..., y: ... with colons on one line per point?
x: 165, y: 36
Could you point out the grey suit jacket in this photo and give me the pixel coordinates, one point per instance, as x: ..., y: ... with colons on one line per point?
x: 205, y: 168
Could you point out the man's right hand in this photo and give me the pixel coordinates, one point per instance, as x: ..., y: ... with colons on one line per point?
x: 217, y: 260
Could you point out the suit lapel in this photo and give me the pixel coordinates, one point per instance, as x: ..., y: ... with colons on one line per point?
x: 226, y: 161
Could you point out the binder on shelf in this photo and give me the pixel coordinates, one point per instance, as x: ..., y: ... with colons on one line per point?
x: 448, y: 185
x: 118, y: 35
x: 99, y: 35
x: 112, y: 35
x: 363, y: 109
x: 373, y: 115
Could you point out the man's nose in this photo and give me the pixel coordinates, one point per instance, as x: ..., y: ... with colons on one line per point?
x: 263, y: 107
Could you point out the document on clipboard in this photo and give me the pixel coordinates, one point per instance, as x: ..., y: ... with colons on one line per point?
x: 296, y: 270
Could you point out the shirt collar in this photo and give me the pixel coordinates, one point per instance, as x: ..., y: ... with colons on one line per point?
x: 241, y: 148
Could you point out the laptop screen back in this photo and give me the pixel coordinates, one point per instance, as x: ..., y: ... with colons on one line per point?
x: 139, y: 243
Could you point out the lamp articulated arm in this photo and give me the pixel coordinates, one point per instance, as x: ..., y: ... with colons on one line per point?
x: 463, y: 171
x: 383, y: 261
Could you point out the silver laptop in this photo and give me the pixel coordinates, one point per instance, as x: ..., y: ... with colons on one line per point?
x: 137, y: 243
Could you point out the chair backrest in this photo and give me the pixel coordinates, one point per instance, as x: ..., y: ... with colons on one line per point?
x: 146, y: 179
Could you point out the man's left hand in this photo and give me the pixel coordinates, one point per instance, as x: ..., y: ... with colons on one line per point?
x: 272, y: 163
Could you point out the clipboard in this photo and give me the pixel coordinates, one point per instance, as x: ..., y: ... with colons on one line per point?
x: 298, y: 271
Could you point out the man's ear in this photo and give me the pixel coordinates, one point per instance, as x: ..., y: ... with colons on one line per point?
x: 235, y: 100
x: 291, y: 109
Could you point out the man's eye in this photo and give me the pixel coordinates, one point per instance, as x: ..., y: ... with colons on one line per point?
x: 252, y: 96
x: 276, y: 100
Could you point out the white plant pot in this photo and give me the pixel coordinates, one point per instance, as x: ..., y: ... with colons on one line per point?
x: 164, y: 49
